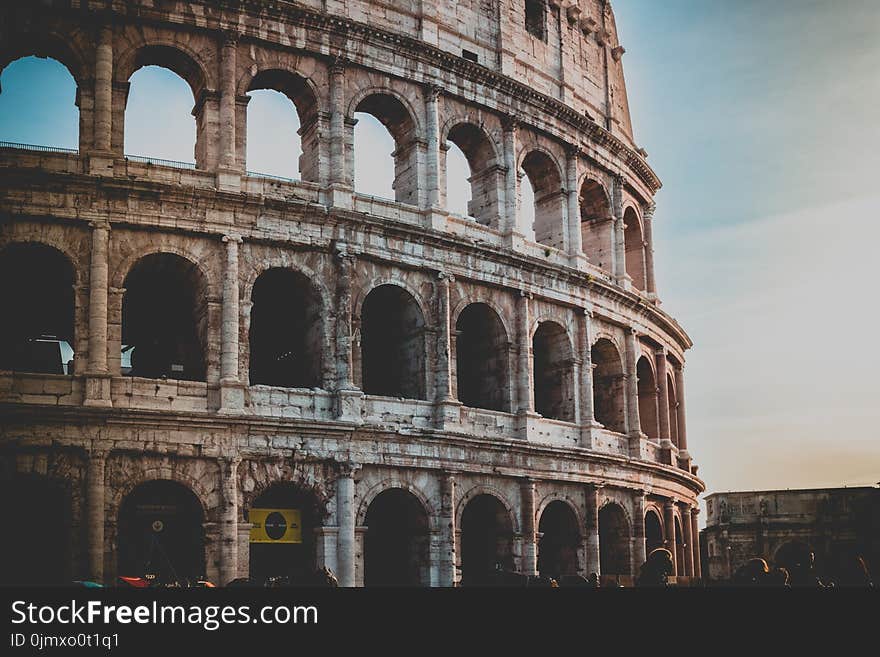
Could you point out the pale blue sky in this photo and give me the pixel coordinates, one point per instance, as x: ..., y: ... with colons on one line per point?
x: 759, y: 117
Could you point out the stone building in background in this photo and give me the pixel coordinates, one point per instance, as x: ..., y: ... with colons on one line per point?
x: 834, y: 523
x: 425, y: 396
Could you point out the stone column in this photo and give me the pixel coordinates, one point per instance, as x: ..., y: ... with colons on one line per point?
x: 231, y: 389
x: 682, y: 426
x: 687, y: 531
x: 587, y: 414
x: 619, y: 236
x: 432, y: 135
x: 669, y: 531
x: 446, y: 407
x: 97, y: 391
x: 575, y: 242
x: 104, y: 91
x: 227, y: 100
x: 695, y: 542
x: 634, y: 427
x: 345, y: 516
x: 349, y: 401
x: 229, y: 519
x: 95, y: 511
x: 340, y: 174
x: 638, y: 545
x: 525, y: 404
x: 530, y: 548
x: 447, y: 530
x: 648, y: 218
x: 663, y: 394
x: 509, y: 224
x: 593, y: 564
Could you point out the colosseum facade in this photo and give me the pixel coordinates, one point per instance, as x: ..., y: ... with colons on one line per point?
x: 437, y: 395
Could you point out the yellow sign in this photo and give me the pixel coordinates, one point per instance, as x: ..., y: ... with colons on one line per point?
x: 275, y: 526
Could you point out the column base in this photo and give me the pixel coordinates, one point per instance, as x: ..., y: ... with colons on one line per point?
x: 637, y: 446
x: 339, y: 195
x: 435, y: 218
x: 231, y: 397
x: 447, y: 413
x: 526, y: 424
x: 350, y: 406
x: 228, y: 180
x: 668, y: 453
x: 579, y: 261
x: 244, y: 549
x: 97, y: 392
x: 589, y: 435
x: 101, y: 164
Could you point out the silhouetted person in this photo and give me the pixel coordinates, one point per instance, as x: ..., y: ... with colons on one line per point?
x: 656, y: 569
x: 801, y: 567
x: 778, y: 577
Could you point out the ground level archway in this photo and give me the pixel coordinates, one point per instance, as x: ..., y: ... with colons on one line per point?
x: 396, y: 541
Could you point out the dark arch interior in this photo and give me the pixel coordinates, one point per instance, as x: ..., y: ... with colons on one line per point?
x: 486, y: 540
x: 293, y: 562
x: 596, y: 229
x: 608, y: 386
x: 614, y: 558
x: 483, y: 205
x: 635, y: 249
x: 165, y: 318
x: 680, y: 548
x: 286, y: 331
x: 36, y: 550
x: 544, y: 177
x: 647, y: 399
x: 653, y: 532
x: 672, y: 404
x: 38, y: 308
x: 161, y: 532
x: 553, y: 375
x: 396, y: 542
x: 397, y: 120
x: 482, y: 359
x: 560, y: 540
x: 393, y: 344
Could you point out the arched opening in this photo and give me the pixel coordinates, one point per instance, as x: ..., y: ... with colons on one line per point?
x: 559, y: 543
x: 482, y: 359
x: 39, y: 103
x: 396, y: 542
x: 549, y: 201
x: 679, y: 548
x: 608, y: 386
x: 794, y: 556
x: 164, y: 319
x: 287, y: 330
x: 282, y: 126
x: 370, y: 173
x: 285, y: 517
x: 673, y: 409
x: 472, y: 184
x: 486, y: 540
x: 635, y: 249
x: 161, y: 533
x: 614, y: 557
x: 393, y: 344
x: 597, y: 225
x: 653, y: 531
x: 36, y: 552
x: 159, y: 121
x: 36, y: 334
x: 648, y: 412
x: 553, y: 373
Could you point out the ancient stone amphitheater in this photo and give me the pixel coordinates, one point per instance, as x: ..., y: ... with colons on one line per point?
x: 423, y: 397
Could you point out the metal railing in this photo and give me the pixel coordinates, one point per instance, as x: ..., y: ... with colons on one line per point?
x: 269, y: 176
x: 35, y: 147
x: 176, y: 164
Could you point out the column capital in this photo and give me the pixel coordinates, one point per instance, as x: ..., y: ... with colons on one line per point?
x: 98, y: 453
x: 509, y: 123
x: 648, y: 210
x: 669, y: 503
x: 661, y: 351
x: 523, y: 294
x: 229, y: 38
x: 97, y: 224
x: 338, y: 65
x: 573, y: 151
x: 432, y: 91
x: 347, y: 469
x: 445, y: 278
x: 238, y: 239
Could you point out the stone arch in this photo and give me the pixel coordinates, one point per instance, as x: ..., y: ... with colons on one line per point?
x: 397, y: 540
x: 304, y: 96
x: 177, y: 57
x: 553, y: 370
x: 287, y: 329
x: 608, y: 388
x: 654, y: 534
x: 63, y: 48
x: 597, y: 223
x: 634, y: 243
x: 391, y: 483
x: 615, y: 530
x: 482, y: 356
x: 486, y: 538
x: 180, y: 475
x: 486, y: 299
x: 486, y: 489
x: 486, y: 179
x: 41, y: 308
x: 545, y: 176
x: 285, y: 260
x: 559, y: 524
x: 672, y: 404
x: 394, y: 112
x: 649, y: 408
x: 393, y: 345
x: 256, y: 476
x: 124, y: 266
x: 165, y: 318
